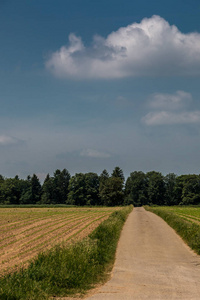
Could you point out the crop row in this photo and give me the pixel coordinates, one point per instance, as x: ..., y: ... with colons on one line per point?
x: 31, y: 231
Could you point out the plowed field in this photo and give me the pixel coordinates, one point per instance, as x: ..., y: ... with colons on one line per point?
x: 24, y: 232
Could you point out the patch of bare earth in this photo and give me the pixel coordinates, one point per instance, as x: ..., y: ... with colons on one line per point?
x: 22, y: 240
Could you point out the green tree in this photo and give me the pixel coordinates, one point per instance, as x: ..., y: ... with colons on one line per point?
x: 136, y: 189
x: 92, y: 188
x: 77, y: 190
x: 118, y: 173
x: 11, y: 190
x: 170, y: 189
x: 103, y: 178
x: 84, y: 189
x: 1, y: 187
x: 112, y: 192
x: 156, y: 188
x: 61, y: 186
x: 32, y: 191
x: 36, y: 189
x: 111, y: 188
x: 47, y: 191
x: 190, y: 190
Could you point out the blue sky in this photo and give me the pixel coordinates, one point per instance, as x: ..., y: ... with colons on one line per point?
x: 88, y: 85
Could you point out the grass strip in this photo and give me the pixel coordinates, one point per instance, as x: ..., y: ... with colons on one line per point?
x: 66, y: 270
x: 189, y: 231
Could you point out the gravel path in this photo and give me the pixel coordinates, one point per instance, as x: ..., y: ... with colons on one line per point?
x: 152, y: 263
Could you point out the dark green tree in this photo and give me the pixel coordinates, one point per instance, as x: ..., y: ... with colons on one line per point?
x: 36, y: 189
x: 47, y: 191
x: 92, y: 188
x: 136, y: 189
x: 1, y: 187
x: 103, y: 178
x: 84, y: 189
x: 118, y: 173
x: 32, y: 191
x: 11, y: 190
x: 170, y: 189
x: 77, y: 190
x: 190, y: 190
x: 156, y: 188
x: 112, y: 193
x: 61, y: 186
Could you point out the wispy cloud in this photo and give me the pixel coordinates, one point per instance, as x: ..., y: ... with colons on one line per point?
x: 150, y: 48
x: 174, y: 101
x: 94, y: 153
x: 168, y: 118
x: 6, y: 140
x: 170, y: 109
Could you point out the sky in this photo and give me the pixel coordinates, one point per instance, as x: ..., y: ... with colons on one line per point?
x: 89, y: 85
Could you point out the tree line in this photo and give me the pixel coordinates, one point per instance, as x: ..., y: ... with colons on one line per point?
x: 151, y: 188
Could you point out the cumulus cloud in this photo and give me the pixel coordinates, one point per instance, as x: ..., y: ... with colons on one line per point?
x: 150, y: 48
x: 170, y: 109
x: 94, y: 153
x: 6, y: 140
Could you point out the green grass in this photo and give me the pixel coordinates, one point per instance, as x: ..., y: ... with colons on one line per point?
x: 66, y: 270
x: 184, y: 220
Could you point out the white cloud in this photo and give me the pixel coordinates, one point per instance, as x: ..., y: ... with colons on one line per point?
x: 6, y: 140
x: 171, y: 109
x: 168, y: 118
x: 170, y: 101
x: 94, y: 153
x: 150, y: 48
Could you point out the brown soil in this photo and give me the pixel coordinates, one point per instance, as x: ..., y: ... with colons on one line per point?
x: 21, y: 240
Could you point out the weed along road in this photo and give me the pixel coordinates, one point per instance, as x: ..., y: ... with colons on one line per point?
x: 152, y: 263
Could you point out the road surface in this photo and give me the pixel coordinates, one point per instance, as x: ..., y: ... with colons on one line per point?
x: 152, y: 262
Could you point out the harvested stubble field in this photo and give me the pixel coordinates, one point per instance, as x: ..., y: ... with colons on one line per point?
x: 25, y: 232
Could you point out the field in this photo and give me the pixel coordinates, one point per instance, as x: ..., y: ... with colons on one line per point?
x: 70, y: 268
x: 188, y: 213
x: 25, y: 232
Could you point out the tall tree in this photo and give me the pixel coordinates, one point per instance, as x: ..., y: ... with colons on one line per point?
x: 118, y: 173
x: 11, y: 190
x: 61, y: 185
x: 170, y: 189
x: 36, y: 189
x: 47, y: 191
x: 92, y: 188
x: 84, y: 189
x: 156, y: 188
x: 190, y: 190
x: 32, y: 191
x: 112, y: 192
x: 136, y: 189
x: 77, y: 190
x: 1, y: 187
x: 103, y: 178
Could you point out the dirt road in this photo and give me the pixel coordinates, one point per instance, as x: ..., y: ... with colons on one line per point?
x: 152, y: 263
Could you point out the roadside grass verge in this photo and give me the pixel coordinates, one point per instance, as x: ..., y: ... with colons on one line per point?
x: 66, y: 270
x: 189, y: 231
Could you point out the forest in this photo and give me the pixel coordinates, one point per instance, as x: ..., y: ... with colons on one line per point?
x: 151, y: 188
